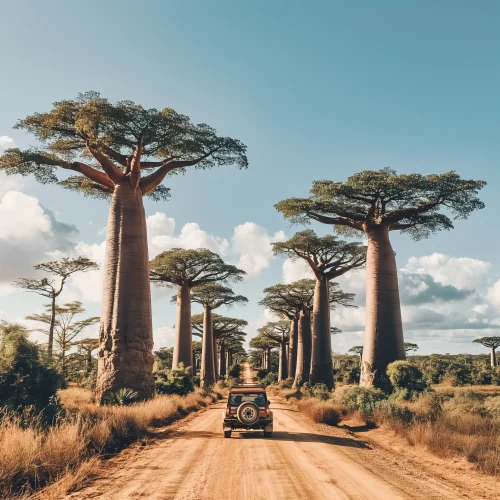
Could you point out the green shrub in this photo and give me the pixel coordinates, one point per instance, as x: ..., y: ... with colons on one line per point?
x: 234, y: 371
x: 356, y: 398
x: 406, y: 378
x: 285, y: 384
x: 24, y: 380
x: 122, y: 397
x: 320, y: 391
x: 269, y: 379
x: 260, y: 374
x: 178, y: 382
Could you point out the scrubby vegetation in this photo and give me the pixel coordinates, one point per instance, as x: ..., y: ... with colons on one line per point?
x: 34, y: 455
x: 448, y: 420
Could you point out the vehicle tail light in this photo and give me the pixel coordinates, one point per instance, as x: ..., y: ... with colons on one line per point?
x: 268, y: 411
x: 228, y: 412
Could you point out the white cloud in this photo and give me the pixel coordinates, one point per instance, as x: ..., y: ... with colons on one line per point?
x: 6, y: 142
x: 161, y: 236
x: 163, y: 337
x: 461, y: 272
x: 253, y: 243
x: 494, y: 295
x: 296, y: 270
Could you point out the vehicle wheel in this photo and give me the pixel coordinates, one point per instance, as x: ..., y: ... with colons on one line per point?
x: 268, y: 434
x: 248, y: 413
x: 227, y: 434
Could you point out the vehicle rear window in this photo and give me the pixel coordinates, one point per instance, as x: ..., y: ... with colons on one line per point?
x: 236, y: 399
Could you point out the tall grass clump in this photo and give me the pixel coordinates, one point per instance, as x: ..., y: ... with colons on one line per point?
x: 321, y: 412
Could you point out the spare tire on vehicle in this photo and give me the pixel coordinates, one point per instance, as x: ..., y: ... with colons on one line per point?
x: 248, y: 413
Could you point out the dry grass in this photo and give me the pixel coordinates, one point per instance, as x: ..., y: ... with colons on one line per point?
x: 33, y: 457
x: 321, y: 412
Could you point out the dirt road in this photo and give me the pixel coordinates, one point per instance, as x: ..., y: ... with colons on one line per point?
x: 301, y: 461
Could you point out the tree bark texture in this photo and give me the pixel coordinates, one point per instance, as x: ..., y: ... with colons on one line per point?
x: 494, y: 362
x: 50, y: 346
x: 183, y: 342
x: 207, y: 373
x: 321, y: 355
x: 292, y: 348
x: 383, y: 342
x: 268, y: 360
x: 283, y: 363
x: 125, y: 359
x: 216, y: 359
x: 303, y: 349
x: 222, y: 357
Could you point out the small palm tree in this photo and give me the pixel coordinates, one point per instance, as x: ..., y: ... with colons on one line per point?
x: 122, y: 397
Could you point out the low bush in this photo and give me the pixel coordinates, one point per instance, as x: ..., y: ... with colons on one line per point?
x: 321, y: 412
x: 406, y: 378
x: 286, y: 383
x: 178, y: 382
x: 320, y: 391
x: 361, y: 399
x: 234, y: 371
x: 270, y: 378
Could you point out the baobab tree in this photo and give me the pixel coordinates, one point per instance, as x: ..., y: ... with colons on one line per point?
x: 59, y: 271
x: 109, y: 146
x: 264, y: 346
x: 87, y: 346
x: 223, y: 327
x: 493, y: 343
x: 279, y: 333
x: 66, y: 327
x: 212, y: 296
x: 187, y: 269
x: 328, y: 257
x: 375, y: 203
x: 410, y: 347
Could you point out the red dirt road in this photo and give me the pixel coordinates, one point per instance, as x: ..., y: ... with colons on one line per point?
x: 302, y: 461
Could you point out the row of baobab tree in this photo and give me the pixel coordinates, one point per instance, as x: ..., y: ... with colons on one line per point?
x: 110, y: 146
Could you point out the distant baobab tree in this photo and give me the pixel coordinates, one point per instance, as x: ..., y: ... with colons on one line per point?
x: 109, y: 146
x: 375, y: 203
x: 493, y: 343
x: 410, y: 347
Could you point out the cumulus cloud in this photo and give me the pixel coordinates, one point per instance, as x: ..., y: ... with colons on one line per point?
x: 494, y: 295
x: 253, y: 243
x: 161, y: 236
x: 459, y: 272
x: 6, y: 142
x: 163, y: 337
x: 28, y: 234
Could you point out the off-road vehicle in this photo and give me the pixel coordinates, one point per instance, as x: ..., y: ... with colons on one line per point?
x: 248, y: 408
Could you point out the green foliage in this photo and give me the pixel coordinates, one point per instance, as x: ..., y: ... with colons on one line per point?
x: 24, y: 380
x: 234, y: 371
x: 215, y: 295
x: 178, y: 381
x: 268, y: 378
x: 406, y: 202
x: 406, y: 378
x: 163, y: 358
x: 348, y: 370
x: 122, y: 397
x: 320, y: 391
x: 193, y: 267
x: 360, y: 399
x: 115, y: 129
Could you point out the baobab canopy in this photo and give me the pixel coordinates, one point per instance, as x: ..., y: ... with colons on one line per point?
x: 103, y: 142
x: 403, y: 202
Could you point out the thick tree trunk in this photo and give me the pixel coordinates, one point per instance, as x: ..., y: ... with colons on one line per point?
x: 383, y: 342
x: 292, y: 347
x: 303, y: 349
x: 125, y: 359
x: 89, y: 361
x: 50, y: 346
x: 493, y: 358
x: 283, y: 363
x: 268, y: 361
x: 216, y: 359
x: 207, y: 373
x: 321, y: 355
x: 222, y: 356
x: 183, y: 342
x: 193, y: 364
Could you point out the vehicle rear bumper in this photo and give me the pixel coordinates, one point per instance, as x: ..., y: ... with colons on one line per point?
x: 234, y: 423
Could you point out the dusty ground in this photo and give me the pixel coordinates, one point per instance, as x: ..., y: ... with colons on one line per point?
x: 302, y: 461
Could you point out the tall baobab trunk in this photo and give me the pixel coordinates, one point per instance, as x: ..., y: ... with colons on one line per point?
x: 125, y: 359
x: 50, y: 346
x: 207, y: 373
x: 194, y: 363
x: 268, y: 360
x: 493, y: 358
x: 321, y: 355
x: 216, y: 359
x: 183, y: 342
x: 383, y: 342
x: 222, y: 357
x: 303, y: 349
x: 283, y: 362
x: 292, y: 348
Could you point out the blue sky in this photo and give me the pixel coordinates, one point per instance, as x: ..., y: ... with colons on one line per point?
x: 316, y: 90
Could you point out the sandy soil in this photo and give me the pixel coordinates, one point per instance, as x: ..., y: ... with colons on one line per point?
x: 302, y: 461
